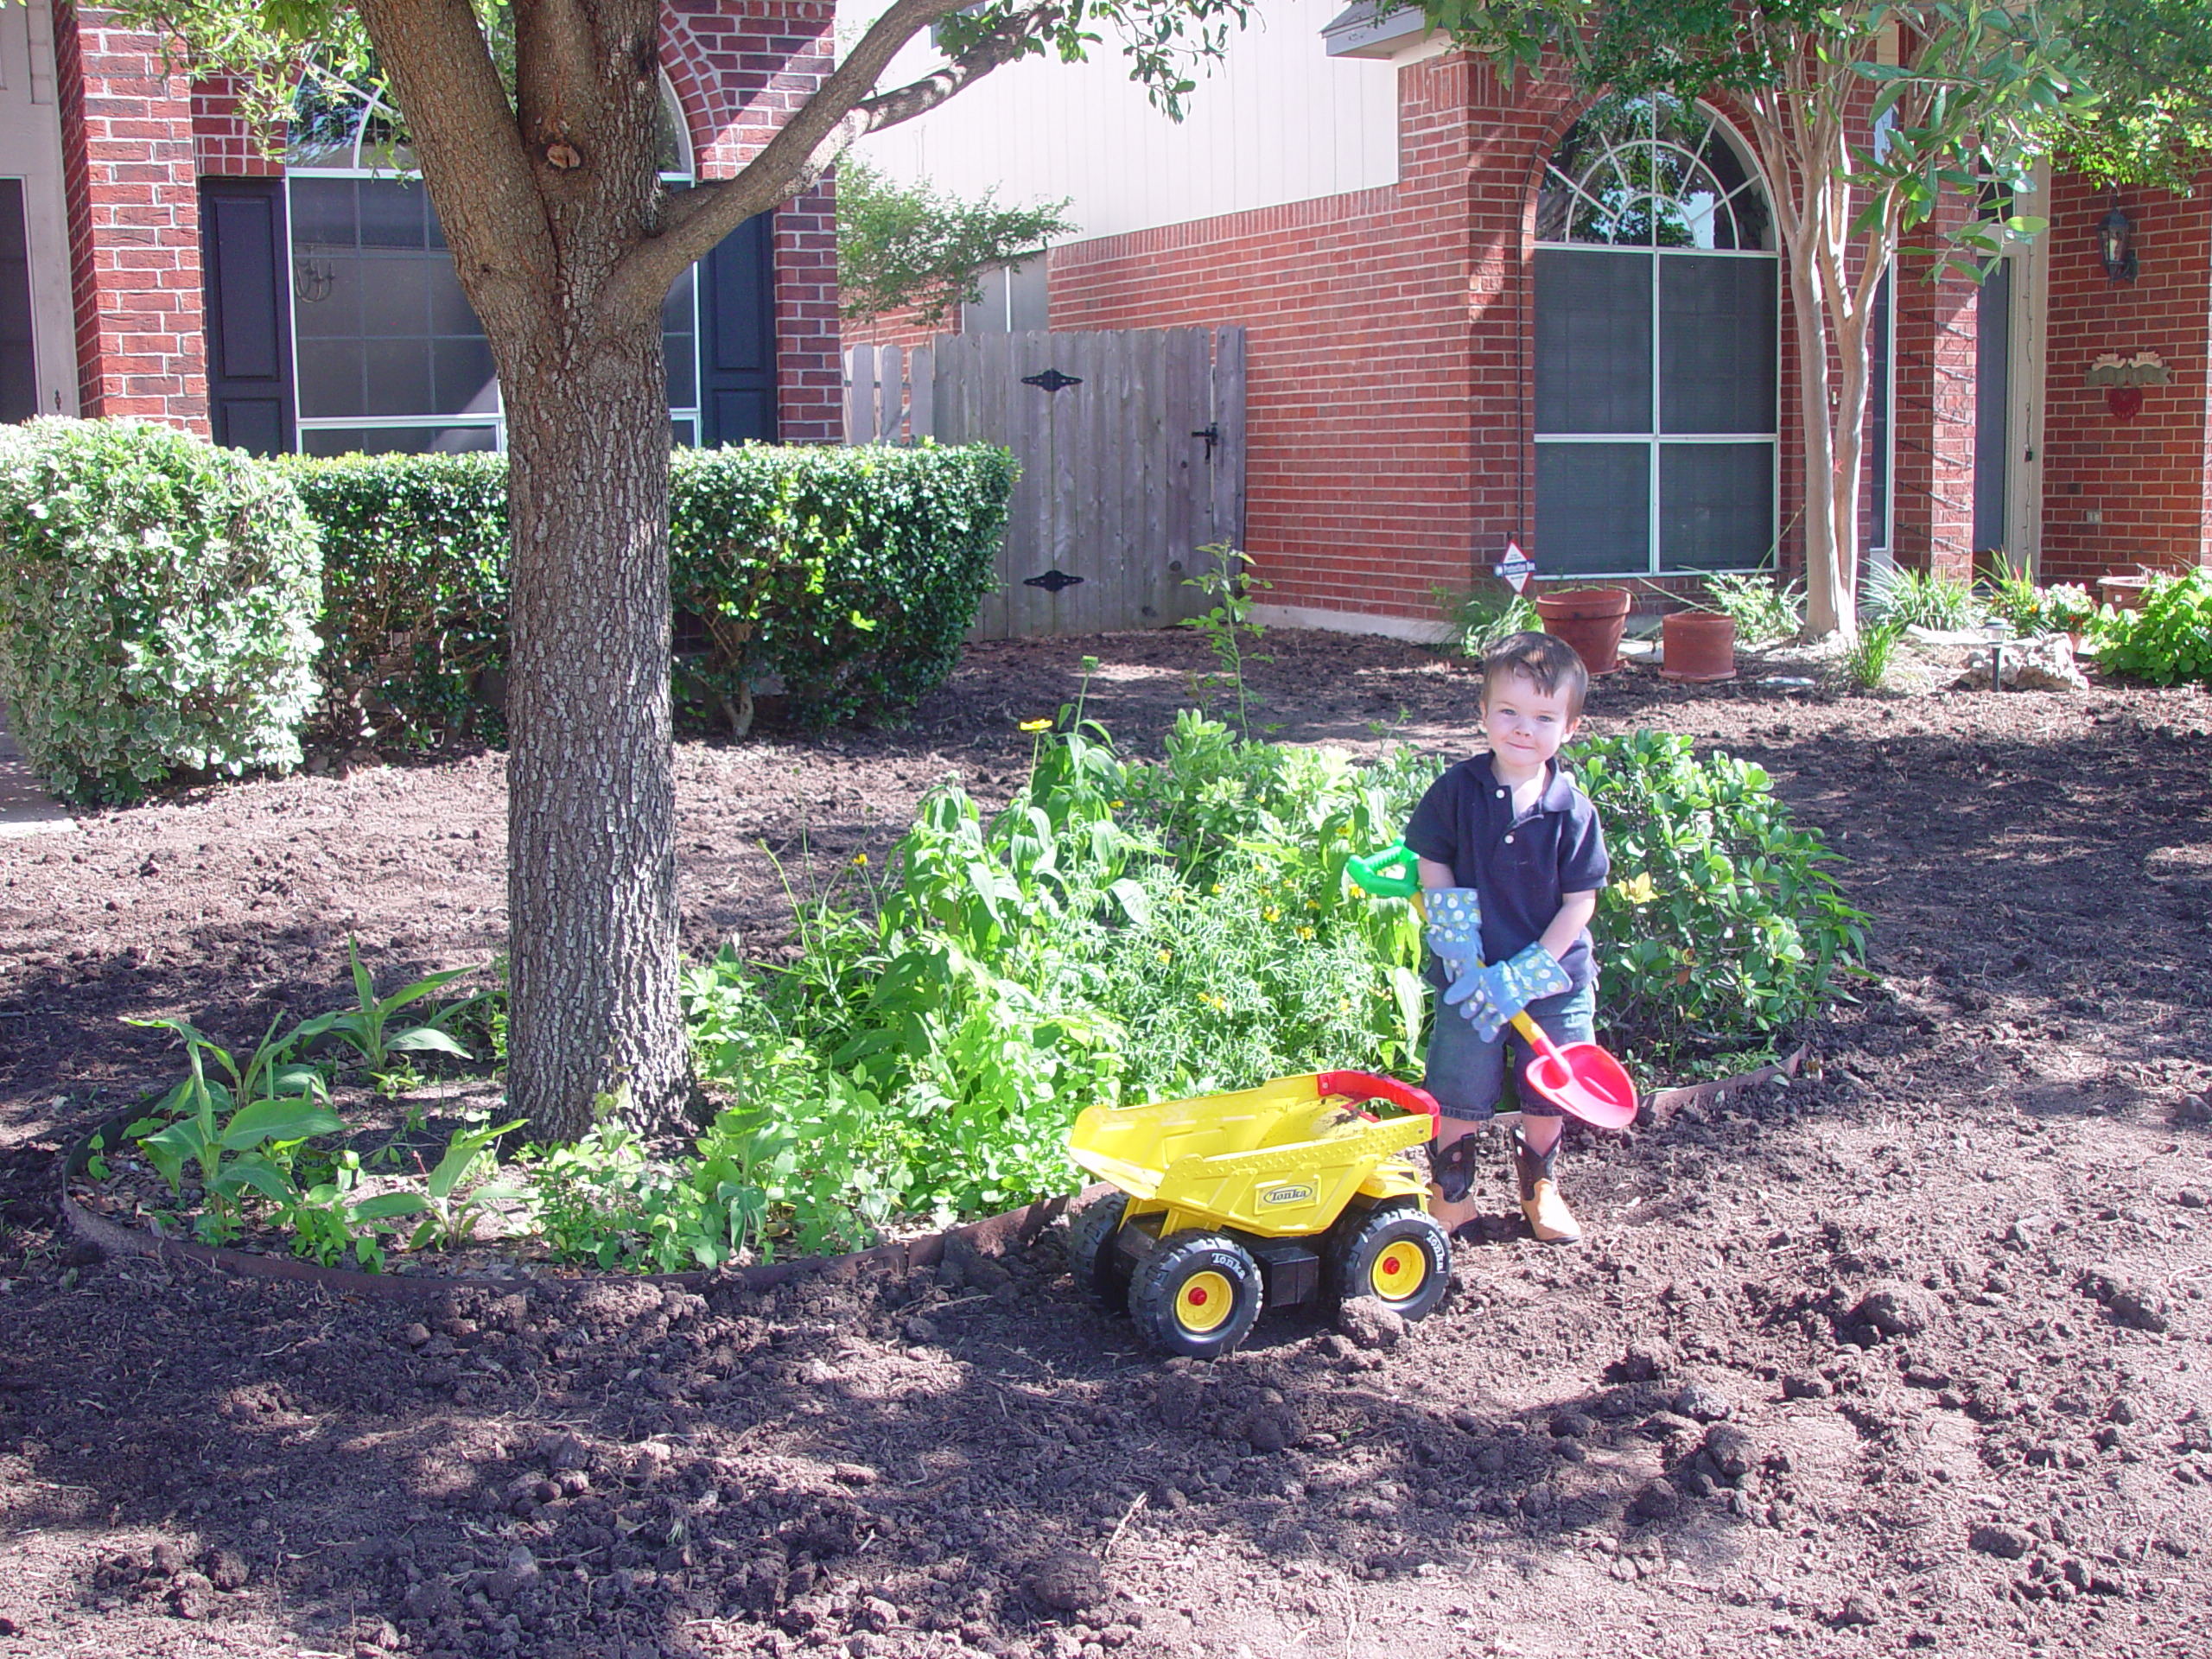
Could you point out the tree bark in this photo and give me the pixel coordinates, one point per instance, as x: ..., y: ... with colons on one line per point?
x: 591, y: 872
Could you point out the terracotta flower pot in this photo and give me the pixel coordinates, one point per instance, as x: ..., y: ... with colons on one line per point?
x: 1697, y: 646
x: 1590, y: 620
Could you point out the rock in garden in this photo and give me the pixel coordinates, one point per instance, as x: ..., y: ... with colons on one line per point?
x: 170, y: 1559
x: 1706, y: 1405
x: 1897, y: 1310
x: 191, y: 1596
x: 2190, y: 1198
x: 1645, y: 1361
x: 921, y: 1332
x: 1369, y: 1325
x: 430, y: 1600
x: 1731, y: 1450
x: 1179, y: 1398
x: 228, y: 1571
x: 1273, y: 1426
x: 2045, y: 664
x: 2193, y: 1108
x: 1066, y: 1582
x: 1805, y: 1385
x: 1858, y: 1610
x: 2006, y: 1543
x: 1573, y: 1424
x: 415, y: 1335
x: 1658, y: 1500
x: 519, y: 1572
x: 564, y: 1451
x: 2132, y: 1304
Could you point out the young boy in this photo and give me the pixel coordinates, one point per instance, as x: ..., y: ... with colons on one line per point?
x: 1511, y: 864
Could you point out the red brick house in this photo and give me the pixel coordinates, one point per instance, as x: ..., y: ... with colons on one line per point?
x: 153, y: 261
x: 1484, y: 334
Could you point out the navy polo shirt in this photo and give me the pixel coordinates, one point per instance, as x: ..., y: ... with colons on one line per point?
x: 1523, y: 866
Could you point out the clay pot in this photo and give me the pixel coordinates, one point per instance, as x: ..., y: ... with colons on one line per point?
x: 1590, y: 620
x: 1697, y: 646
x: 2122, y: 593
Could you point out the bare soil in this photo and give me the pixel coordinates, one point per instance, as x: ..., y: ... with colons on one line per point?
x: 1907, y: 1356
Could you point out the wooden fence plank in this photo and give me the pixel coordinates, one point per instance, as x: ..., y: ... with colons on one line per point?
x: 921, y: 392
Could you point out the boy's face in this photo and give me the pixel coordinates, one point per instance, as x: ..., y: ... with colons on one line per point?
x: 1525, y: 726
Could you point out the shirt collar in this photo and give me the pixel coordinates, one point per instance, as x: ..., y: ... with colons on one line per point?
x: 1557, y: 793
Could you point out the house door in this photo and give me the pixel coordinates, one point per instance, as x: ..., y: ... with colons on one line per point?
x: 242, y: 252
x: 1657, y: 348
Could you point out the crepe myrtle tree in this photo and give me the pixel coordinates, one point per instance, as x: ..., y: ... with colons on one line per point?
x: 1865, y: 115
x: 533, y: 127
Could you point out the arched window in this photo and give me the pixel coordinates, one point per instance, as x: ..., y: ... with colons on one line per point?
x: 1656, y: 346
x: 388, y: 354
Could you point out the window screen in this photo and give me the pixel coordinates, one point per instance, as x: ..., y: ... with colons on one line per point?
x: 1716, y: 504
x: 1593, y: 341
x: 18, y: 362
x: 1593, y: 506
x: 1716, y: 344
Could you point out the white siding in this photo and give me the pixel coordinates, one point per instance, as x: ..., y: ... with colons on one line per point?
x: 1278, y: 121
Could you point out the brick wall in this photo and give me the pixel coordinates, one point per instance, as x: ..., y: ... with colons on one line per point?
x: 134, y: 222
x: 739, y: 72
x: 1387, y: 348
x: 1936, y: 339
x: 223, y: 142
x: 2143, y: 478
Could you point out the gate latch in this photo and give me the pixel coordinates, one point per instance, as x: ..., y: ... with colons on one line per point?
x: 1211, y: 434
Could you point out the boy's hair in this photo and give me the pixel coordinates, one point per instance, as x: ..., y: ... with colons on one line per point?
x: 1548, y: 661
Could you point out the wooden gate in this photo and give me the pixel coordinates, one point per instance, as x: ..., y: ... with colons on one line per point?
x: 1132, y: 452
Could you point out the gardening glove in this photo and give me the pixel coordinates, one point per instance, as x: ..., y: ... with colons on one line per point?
x: 1491, y: 996
x: 1455, y: 930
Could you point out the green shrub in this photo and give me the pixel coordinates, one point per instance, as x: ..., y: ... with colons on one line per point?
x: 1762, y: 610
x: 1481, y: 617
x: 1919, y: 599
x: 2011, y: 595
x: 414, y: 589
x: 157, y: 601
x: 853, y: 574
x: 2168, y: 639
x: 1720, y: 930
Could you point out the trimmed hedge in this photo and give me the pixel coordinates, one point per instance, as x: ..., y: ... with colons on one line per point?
x: 853, y: 574
x: 414, y: 589
x: 157, y: 602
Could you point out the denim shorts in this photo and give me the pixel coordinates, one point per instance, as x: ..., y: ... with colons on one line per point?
x: 1468, y: 1075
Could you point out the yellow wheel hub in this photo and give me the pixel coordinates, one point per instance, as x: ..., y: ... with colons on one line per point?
x: 1399, y: 1270
x: 1203, y: 1301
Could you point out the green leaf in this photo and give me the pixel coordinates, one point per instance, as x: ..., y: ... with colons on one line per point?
x: 277, y: 1120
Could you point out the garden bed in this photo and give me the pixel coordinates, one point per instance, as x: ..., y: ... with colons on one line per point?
x: 886, y: 1462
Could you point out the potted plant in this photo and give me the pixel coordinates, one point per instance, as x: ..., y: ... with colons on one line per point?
x: 1697, y: 646
x: 1589, y: 618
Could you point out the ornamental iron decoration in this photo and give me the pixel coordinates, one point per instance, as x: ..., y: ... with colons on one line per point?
x: 1052, y: 581
x: 1051, y: 380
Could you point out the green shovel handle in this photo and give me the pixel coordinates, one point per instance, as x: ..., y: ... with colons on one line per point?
x: 1394, y: 873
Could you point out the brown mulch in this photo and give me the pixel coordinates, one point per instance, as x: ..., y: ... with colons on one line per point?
x: 1909, y: 1356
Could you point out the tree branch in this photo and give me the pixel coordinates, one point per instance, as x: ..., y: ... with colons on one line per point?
x: 435, y: 52
x: 841, y: 112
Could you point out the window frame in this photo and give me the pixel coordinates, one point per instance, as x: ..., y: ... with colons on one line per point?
x: 1655, y: 438
x: 496, y: 419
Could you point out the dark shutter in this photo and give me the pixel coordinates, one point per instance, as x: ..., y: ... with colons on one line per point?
x: 737, y: 336
x: 248, y: 314
x: 18, y: 357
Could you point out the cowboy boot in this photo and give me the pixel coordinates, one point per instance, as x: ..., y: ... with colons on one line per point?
x: 1549, y: 1219
x: 1451, y: 1192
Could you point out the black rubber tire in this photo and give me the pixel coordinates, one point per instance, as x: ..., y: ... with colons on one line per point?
x: 1157, y: 1286
x: 1358, y: 1241
x: 1102, y: 1273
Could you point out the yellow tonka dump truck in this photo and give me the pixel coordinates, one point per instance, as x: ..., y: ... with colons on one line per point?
x: 1279, y: 1194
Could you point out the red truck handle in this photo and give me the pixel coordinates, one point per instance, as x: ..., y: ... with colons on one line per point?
x: 1362, y: 1085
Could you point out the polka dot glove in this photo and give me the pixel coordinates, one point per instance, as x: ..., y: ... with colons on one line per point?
x: 1491, y: 996
x: 1455, y: 930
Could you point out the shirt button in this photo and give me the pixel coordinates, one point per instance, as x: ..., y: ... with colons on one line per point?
x: 1501, y: 794
x: 1508, y: 841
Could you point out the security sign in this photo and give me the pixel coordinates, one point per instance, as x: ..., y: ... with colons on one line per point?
x: 1515, y: 566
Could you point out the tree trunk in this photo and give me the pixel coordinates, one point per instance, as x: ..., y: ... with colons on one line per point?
x: 1827, y: 601
x: 591, y: 885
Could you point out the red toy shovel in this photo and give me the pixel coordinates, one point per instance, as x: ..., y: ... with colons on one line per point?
x: 1581, y: 1078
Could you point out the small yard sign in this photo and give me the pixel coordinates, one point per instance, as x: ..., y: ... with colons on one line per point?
x: 1515, y: 566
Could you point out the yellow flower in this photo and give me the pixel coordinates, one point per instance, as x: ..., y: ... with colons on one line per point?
x: 1036, y: 725
x: 1117, y: 805
x: 1270, y: 914
x: 1639, y: 892
x: 859, y: 859
x: 1305, y: 932
x: 1167, y: 955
